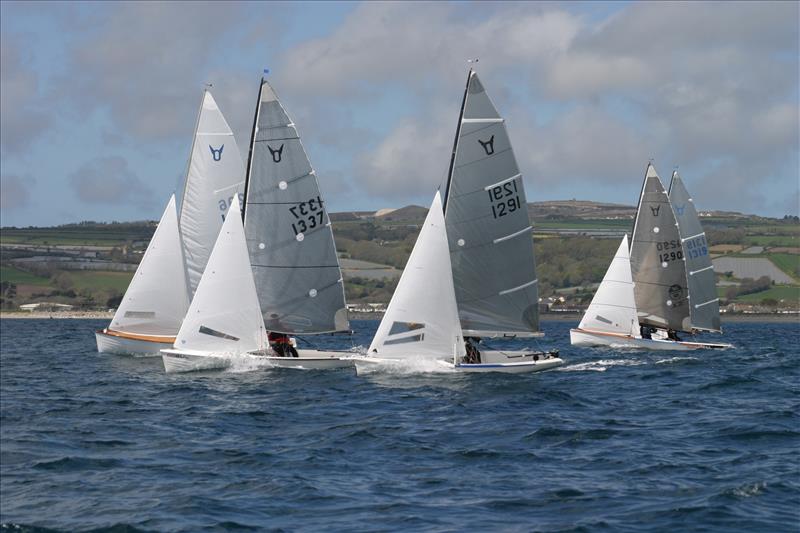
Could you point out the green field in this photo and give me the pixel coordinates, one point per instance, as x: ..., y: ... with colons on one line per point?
x: 599, y: 224
x: 788, y: 293
x: 20, y: 277
x: 772, y: 240
x: 94, y: 280
x: 789, y: 263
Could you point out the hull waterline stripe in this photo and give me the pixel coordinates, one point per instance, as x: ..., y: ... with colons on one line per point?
x: 516, y: 234
x: 493, y: 185
x: 515, y: 289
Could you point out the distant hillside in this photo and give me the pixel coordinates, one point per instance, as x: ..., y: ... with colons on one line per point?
x: 409, y: 213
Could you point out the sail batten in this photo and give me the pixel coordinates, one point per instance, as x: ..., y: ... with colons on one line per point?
x: 486, y: 217
x: 297, y: 274
x: 701, y: 279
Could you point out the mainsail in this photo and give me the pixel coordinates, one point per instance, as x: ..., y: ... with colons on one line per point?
x: 489, y: 232
x: 659, y: 272
x: 703, y: 300
x: 422, y: 318
x: 156, y: 299
x: 225, y: 316
x: 288, y: 231
x: 215, y: 175
x: 613, y: 308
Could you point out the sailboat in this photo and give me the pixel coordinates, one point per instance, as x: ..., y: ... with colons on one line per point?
x: 645, y: 291
x: 489, y: 244
x: 156, y: 300
x: 153, y: 307
x: 292, y: 252
x: 224, y: 326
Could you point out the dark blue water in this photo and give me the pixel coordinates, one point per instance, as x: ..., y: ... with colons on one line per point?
x: 612, y: 442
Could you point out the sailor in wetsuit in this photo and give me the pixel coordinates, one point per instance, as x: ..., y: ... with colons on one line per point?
x: 281, y: 344
x: 473, y: 356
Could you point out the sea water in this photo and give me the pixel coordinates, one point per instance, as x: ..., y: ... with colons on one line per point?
x: 612, y: 441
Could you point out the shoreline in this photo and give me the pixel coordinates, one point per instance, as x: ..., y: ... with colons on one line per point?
x: 545, y: 317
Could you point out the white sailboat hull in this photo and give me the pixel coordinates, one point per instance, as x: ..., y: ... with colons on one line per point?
x: 522, y: 367
x: 586, y: 338
x: 492, y: 361
x: 124, y: 345
x: 190, y: 361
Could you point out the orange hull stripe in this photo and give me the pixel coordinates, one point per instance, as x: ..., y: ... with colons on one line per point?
x: 164, y: 339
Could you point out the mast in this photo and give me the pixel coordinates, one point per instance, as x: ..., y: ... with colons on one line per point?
x: 186, y: 279
x: 191, y: 150
x: 250, y: 151
x: 455, y: 141
x: 638, y: 207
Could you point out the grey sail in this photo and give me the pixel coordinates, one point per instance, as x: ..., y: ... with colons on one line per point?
x: 659, y: 272
x: 289, y: 238
x: 488, y: 229
x: 703, y: 299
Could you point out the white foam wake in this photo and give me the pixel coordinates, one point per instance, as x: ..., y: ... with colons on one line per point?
x: 601, y: 365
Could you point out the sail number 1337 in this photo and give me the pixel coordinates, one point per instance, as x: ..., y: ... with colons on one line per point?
x: 504, y: 199
x: 308, y: 215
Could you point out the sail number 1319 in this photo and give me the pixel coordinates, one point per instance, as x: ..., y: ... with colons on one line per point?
x: 504, y: 199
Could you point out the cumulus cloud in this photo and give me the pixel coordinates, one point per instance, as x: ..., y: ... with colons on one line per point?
x: 109, y: 181
x: 710, y: 87
x: 412, y: 159
x: 15, y: 192
x: 145, y: 62
x: 22, y: 119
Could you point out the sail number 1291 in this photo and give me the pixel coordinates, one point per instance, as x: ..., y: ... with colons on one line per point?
x: 504, y: 199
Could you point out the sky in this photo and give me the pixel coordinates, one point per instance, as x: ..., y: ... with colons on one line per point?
x: 98, y: 100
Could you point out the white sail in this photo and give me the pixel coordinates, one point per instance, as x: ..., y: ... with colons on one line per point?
x: 215, y: 175
x: 225, y: 317
x: 613, y: 308
x: 422, y: 317
x: 156, y: 299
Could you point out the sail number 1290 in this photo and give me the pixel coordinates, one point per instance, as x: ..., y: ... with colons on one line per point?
x: 504, y: 199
